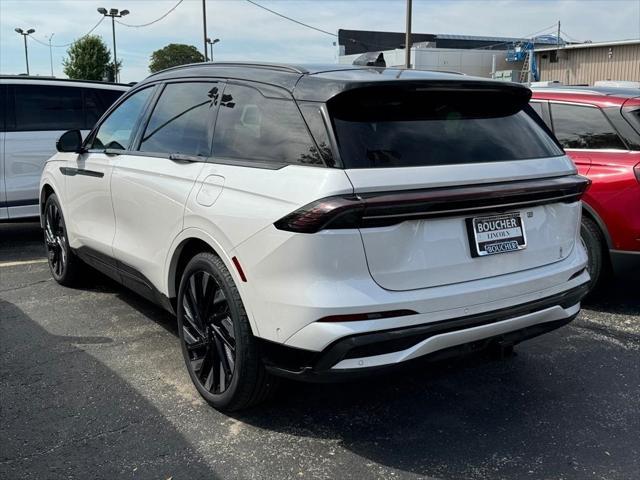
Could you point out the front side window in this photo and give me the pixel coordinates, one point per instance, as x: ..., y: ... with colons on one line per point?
x: 96, y: 102
x: 180, y: 120
x: 579, y: 126
x: 251, y: 126
x: 45, y: 107
x: 116, y: 131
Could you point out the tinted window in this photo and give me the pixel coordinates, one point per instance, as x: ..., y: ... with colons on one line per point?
x: 387, y: 128
x: 251, y: 126
x: 115, y: 132
x: 180, y: 120
x: 43, y: 107
x: 96, y: 102
x: 583, y: 127
x: 313, y: 116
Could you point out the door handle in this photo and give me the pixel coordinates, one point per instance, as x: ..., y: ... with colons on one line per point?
x: 179, y: 157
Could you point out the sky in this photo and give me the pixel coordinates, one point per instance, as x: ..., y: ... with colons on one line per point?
x: 247, y: 32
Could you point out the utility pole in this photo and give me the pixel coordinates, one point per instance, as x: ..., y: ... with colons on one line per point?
x: 26, y: 50
x: 558, y: 39
x: 204, y: 28
x: 114, y: 13
x: 51, y: 53
x: 407, y: 38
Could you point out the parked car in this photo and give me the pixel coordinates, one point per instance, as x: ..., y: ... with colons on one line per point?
x: 34, y: 112
x: 322, y: 222
x: 600, y: 130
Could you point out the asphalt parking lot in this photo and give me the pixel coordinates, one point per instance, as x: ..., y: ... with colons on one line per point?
x: 93, y: 386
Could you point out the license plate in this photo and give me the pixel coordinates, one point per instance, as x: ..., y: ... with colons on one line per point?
x: 496, y: 234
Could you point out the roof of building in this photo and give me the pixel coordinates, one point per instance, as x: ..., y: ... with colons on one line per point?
x: 592, y: 45
x: 317, y: 82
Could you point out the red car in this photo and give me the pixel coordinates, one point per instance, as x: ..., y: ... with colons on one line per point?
x: 599, y: 128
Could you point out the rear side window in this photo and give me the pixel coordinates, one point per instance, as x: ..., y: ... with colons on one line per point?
x: 44, y: 107
x: 578, y: 126
x: 180, y: 122
x: 116, y: 131
x: 251, y: 126
x: 382, y: 128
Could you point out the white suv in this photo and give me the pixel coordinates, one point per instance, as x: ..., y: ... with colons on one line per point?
x: 321, y: 222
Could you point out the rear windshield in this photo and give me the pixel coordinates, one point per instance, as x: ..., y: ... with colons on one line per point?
x: 408, y: 129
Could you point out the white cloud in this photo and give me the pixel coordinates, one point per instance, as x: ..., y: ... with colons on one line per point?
x: 247, y: 32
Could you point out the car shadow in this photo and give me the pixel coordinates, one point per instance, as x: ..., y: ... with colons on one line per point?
x: 21, y: 241
x: 66, y: 415
x: 616, y: 294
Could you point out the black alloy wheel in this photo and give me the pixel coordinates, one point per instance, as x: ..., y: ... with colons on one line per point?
x: 208, y: 332
x: 219, y: 349
x: 63, y: 263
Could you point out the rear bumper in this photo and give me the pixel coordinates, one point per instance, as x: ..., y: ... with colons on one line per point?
x: 367, y: 353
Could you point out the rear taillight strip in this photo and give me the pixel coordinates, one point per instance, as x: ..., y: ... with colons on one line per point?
x: 389, y: 208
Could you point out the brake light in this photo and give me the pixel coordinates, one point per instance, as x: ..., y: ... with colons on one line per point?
x: 389, y: 208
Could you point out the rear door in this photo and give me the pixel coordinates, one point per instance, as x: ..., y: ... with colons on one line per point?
x: 425, y: 154
x: 150, y: 185
x: 41, y: 114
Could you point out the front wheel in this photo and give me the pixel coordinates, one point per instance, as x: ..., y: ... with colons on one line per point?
x: 219, y: 349
x: 63, y: 264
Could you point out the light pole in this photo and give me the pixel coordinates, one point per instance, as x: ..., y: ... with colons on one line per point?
x: 211, y: 44
x: 114, y: 13
x: 407, y: 38
x: 26, y: 51
x: 51, y: 53
x: 204, y: 27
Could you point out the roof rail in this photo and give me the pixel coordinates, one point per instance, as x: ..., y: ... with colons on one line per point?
x: 284, y: 67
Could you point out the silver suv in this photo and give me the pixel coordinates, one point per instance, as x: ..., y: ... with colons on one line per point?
x: 34, y: 112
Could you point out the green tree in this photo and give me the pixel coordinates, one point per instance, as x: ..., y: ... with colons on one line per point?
x: 88, y: 59
x: 173, y: 55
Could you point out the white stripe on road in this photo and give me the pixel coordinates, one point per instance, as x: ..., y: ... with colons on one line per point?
x: 23, y: 262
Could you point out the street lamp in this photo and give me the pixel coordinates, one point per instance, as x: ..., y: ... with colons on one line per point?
x: 211, y: 44
x: 114, y: 13
x: 25, y: 35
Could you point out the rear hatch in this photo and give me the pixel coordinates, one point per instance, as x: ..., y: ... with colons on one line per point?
x: 459, y: 181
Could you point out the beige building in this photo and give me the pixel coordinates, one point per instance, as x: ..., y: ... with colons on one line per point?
x: 586, y: 63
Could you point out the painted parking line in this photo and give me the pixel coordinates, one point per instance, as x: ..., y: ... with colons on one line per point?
x: 23, y: 262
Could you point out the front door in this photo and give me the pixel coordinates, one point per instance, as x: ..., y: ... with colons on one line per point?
x: 89, y: 216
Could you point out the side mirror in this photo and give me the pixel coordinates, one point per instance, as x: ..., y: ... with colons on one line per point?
x: 70, y: 141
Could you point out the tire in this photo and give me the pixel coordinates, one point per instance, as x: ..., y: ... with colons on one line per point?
x: 593, y: 242
x: 220, y: 352
x: 64, y: 265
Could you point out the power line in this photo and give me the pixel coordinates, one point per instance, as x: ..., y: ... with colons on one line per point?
x: 525, y: 37
x: 70, y: 43
x: 292, y: 19
x: 154, y: 21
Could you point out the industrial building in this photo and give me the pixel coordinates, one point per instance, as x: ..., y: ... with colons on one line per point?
x: 503, y: 58
x: 587, y: 63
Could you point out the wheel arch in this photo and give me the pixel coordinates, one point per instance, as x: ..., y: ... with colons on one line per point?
x: 45, y: 192
x: 190, y: 242
x: 590, y: 213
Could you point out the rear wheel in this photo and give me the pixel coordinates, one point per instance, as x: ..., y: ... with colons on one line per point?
x: 63, y: 264
x: 219, y: 349
x: 593, y: 242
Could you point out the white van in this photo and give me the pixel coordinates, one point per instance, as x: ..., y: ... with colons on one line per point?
x: 34, y: 112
